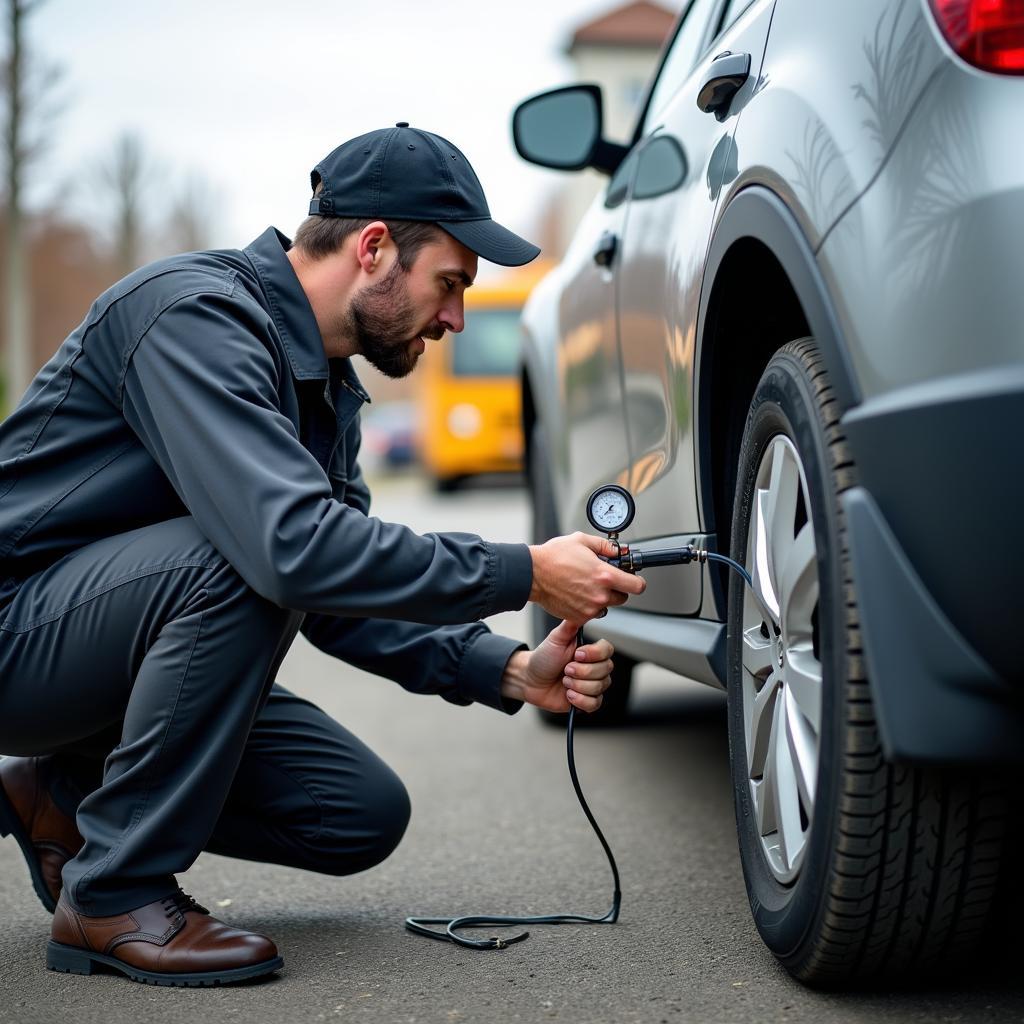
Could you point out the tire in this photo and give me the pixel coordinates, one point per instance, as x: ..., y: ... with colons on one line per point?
x: 447, y: 484
x: 872, y: 871
x: 543, y: 526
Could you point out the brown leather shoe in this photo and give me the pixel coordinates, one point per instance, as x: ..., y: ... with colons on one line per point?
x: 47, y: 836
x: 172, y: 941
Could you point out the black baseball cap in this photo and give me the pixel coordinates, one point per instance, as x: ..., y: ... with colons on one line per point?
x: 404, y: 173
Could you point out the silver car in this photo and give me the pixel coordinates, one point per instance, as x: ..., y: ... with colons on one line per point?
x: 792, y: 324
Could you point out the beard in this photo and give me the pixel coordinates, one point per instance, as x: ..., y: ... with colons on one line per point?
x: 382, y: 321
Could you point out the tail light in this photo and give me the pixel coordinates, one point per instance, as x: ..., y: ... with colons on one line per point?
x: 986, y: 33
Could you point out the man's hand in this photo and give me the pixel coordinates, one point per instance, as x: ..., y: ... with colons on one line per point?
x: 558, y: 675
x: 571, y: 582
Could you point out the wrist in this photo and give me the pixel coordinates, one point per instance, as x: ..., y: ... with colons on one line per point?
x: 513, y: 679
x: 535, y: 558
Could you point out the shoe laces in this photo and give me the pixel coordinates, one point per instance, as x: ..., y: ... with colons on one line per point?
x: 179, y: 903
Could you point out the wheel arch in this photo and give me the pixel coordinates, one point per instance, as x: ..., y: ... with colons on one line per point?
x: 761, y: 289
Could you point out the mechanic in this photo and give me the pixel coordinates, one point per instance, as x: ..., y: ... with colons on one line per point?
x: 179, y: 495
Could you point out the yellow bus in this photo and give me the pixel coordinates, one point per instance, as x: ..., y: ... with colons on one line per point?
x: 468, y: 386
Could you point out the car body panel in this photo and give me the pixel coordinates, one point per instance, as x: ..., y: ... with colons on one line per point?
x: 944, y: 221
x: 540, y: 386
x: 587, y: 368
x: 693, y: 647
x: 838, y: 84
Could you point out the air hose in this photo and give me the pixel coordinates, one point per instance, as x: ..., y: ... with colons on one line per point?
x: 418, y: 924
x: 630, y: 561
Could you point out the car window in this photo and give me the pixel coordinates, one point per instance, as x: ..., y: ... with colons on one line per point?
x: 686, y: 48
x: 662, y: 168
x: 732, y: 11
x: 618, y: 187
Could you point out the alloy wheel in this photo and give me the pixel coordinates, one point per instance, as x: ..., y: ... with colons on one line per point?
x: 782, y: 679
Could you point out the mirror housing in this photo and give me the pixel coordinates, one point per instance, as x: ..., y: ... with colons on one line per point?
x: 561, y: 128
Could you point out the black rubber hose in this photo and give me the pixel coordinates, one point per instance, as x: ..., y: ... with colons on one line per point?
x: 452, y: 924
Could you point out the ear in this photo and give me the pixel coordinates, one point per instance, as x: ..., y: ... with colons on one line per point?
x: 370, y: 245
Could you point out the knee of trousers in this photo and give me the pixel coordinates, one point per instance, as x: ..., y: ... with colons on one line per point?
x: 353, y: 839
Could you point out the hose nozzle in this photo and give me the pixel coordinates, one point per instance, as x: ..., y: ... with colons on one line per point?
x: 634, y: 561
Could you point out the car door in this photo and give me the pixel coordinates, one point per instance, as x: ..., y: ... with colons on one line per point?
x: 681, y: 157
x: 588, y: 369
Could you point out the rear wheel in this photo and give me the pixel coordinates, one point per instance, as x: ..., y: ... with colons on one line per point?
x: 855, y: 868
x: 544, y: 525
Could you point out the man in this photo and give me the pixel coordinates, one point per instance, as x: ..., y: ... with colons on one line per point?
x: 179, y: 495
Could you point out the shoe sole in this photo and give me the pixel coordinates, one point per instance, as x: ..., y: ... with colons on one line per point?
x: 72, y: 960
x: 10, y: 824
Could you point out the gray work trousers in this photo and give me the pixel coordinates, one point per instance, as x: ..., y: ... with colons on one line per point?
x: 146, y: 667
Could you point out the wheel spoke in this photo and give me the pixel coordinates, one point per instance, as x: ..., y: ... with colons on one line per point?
x: 762, y: 574
x: 803, y: 752
x: 784, y: 788
x: 799, y: 584
x: 762, y: 716
x: 803, y: 678
x: 780, y: 510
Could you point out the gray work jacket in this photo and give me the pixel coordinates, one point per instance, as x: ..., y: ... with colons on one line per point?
x: 199, y: 385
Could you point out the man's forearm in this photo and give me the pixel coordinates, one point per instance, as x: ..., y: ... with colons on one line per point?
x: 513, y: 680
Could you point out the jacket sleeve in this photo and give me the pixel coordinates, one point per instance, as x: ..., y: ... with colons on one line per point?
x: 461, y: 663
x: 200, y: 390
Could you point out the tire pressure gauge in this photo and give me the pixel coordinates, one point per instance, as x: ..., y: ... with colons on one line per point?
x: 610, y: 509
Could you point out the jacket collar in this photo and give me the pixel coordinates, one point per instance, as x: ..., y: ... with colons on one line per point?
x: 293, y: 314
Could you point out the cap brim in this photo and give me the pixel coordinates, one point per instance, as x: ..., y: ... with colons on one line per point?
x: 489, y: 239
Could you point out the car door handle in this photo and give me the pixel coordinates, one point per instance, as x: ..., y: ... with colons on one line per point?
x: 728, y: 73
x: 604, y: 254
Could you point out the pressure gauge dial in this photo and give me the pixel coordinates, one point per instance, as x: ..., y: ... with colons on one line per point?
x: 610, y: 508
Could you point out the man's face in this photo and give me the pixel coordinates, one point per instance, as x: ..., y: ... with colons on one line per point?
x: 392, y: 319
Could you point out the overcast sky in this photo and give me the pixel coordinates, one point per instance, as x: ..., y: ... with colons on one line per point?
x: 252, y: 94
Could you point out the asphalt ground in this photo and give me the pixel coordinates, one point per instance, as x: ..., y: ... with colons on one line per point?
x: 496, y: 829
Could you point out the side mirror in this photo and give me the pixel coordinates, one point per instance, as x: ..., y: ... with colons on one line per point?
x: 562, y: 129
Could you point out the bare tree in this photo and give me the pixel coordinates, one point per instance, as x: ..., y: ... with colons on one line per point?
x: 27, y: 84
x: 193, y: 217
x: 123, y: 177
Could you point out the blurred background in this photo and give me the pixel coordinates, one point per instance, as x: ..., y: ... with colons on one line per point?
x: 133, y: 131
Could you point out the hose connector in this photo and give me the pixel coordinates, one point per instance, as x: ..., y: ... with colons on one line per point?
x: 634, y: 561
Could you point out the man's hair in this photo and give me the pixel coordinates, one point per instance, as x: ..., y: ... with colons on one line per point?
x: 318, y: 236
